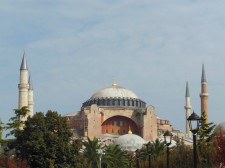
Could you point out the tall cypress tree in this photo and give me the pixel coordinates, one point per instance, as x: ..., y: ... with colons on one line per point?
x: 205, y: 144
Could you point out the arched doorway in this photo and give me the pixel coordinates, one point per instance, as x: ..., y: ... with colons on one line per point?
x: 119, y: 125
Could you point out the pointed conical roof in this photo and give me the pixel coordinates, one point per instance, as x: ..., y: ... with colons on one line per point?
x: 203, y: 74
x: 30, y: 83
x: 24, y: 62
x: 187, y: 90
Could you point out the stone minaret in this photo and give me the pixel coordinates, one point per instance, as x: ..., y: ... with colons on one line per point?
x: 23, y: 85
x: 204, y: 94
x: 25, y: 89
x: 187, y: 107
x: 30, y: 98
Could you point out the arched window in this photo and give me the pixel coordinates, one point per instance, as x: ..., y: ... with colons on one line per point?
x: 116, y: 102
x: 132, y: 102
x: 122, y: 102
x: 107, y: 102
x: 110, y: 101
x: 125, y: 104
x: 113, y: 102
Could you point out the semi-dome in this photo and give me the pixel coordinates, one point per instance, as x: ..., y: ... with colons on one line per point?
x: 130, y: 142
x: 114, y: 91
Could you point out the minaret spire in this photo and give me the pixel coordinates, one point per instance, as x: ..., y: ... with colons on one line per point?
x: 187, y: 108
x: 24, y: 62
x: 204, y: 94
x: 187, y: 90
x: 203, y: 74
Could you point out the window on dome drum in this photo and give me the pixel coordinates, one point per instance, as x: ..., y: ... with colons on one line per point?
x: 116, y: 102
x: 113, y: 102
x: 130, y: 102
x: 118, y: 122
x: 112, y: 122
x: 121, y: 102
x: 125, y: 103
x: 124, y: 124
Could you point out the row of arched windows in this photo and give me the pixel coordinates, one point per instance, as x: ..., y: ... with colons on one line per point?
x: 116, y: 102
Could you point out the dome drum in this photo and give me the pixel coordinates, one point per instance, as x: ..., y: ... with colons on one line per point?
x: 116, y: 102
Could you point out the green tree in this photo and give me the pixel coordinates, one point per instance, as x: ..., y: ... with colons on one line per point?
x: 2, y: 127
x: 154, y: 150
x: 114, y: 157
x: 206, y: 150
x: 81, y: 161
x: 16, y: 123
x: 90, y: 152
x: 45, y: 141
x: 157, y: 148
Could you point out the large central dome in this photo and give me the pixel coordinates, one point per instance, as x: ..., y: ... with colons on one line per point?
x: 114, y: 91
x: 115, y: 96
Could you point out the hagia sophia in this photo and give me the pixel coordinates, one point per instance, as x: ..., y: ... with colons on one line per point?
x: 115, y: 111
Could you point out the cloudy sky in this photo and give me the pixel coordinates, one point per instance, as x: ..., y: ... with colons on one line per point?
x: 151, y: 47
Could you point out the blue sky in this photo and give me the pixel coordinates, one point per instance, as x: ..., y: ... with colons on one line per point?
x: 151, y: 47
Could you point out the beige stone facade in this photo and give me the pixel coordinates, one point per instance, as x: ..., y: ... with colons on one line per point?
x: 145, y: 121
x: 114, y: 111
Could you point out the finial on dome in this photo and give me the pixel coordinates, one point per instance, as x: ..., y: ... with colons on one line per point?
x: 114, y: 83
x: 129, y: 132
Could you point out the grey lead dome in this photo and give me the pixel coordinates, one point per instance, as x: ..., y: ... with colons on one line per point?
x: 130, y: 142
x: 114, y: 91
